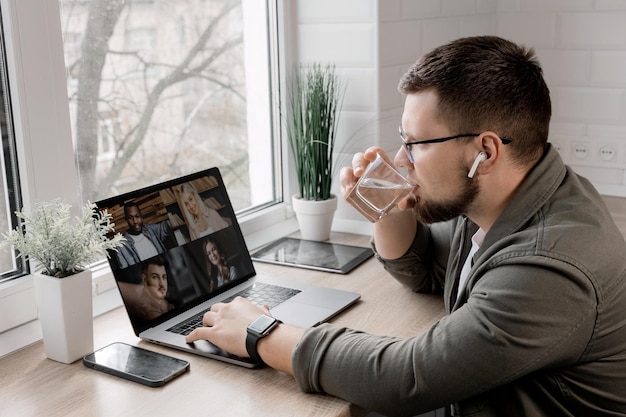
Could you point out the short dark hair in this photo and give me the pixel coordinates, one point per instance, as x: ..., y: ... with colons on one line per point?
x: 128, y: 205
x: 158, y: 261
x: 487, y: 83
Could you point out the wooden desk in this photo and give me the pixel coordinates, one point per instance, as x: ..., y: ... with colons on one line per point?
x: 31, y: 385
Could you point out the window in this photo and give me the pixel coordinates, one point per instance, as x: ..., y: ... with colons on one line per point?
x: 10, y: 199
x: 158, y: 99
x: 157, y: 90
x: 162, y: 89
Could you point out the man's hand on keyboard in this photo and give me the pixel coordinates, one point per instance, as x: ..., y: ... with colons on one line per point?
x: 225, y: 325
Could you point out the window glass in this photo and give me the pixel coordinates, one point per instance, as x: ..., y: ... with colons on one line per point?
x: 10, y: 199
x: 159, y: 89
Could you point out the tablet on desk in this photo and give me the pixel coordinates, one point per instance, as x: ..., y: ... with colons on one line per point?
x: 323, y: 256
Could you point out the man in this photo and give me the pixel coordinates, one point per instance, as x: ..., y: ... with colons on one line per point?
x: 530, y: 263
x: 152, y: 302
x: 143, y: 241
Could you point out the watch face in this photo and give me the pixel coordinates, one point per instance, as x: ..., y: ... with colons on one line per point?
x: 262, y: 324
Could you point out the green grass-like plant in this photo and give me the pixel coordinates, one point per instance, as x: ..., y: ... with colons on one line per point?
x: 315, y: 99
x: 59, y: 246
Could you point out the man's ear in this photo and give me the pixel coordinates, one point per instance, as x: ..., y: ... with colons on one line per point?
x: 490, y: 145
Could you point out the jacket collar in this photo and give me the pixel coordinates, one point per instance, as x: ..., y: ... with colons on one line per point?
x: 538, y: 187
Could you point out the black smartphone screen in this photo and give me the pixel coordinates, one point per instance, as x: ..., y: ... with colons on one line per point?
x: 136, y: 364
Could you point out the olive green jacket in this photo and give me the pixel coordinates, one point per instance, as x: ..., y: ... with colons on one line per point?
x: 538, y: 330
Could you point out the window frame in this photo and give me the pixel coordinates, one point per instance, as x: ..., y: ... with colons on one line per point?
x: 46, y: 161
x: 13, y: 191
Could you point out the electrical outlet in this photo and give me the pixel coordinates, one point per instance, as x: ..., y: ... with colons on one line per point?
x: 601, y: 159
x: 580, y: 151
x: 607, y: 153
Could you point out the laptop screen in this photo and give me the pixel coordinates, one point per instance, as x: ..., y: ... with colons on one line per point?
x: 183, y: 245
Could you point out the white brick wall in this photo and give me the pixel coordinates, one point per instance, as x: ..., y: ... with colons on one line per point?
x: 580, y: 43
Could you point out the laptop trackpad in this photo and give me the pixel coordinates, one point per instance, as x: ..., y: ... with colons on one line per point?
x: 301, y: 315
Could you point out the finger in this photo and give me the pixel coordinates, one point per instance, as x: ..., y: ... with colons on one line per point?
x: 347, y: 181
x: 372, y: 152
x: 217, y: 306
x: 209, y: 318
x: 201, y: 333
x: 359, y: 163
x: 369, y: 156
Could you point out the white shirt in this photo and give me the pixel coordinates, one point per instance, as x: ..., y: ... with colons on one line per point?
x: 145, y: 248
x: 477, y: 241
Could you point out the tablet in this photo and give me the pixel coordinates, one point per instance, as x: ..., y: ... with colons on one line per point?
x: 323, y: 256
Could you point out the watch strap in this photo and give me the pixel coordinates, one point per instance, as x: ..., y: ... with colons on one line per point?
x: 252, y: 340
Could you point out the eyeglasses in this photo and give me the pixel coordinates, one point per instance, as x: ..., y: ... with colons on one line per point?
x: 407, y: 145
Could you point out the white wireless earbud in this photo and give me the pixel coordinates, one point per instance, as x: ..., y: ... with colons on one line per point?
x: 481, y: 157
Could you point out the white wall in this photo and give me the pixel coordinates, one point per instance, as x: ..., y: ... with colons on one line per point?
x: 580, y: 43
x: 345, y: 33
x: 582, y: 47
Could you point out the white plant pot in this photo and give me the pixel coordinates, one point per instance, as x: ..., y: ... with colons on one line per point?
x: 315, y: 218
x: 66, y: 315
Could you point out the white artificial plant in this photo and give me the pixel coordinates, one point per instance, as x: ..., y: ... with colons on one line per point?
x: 59, y: 246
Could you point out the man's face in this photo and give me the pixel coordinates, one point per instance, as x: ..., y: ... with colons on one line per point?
x: 443, y: 190
x: 134, y: 220
x: 155, y: 281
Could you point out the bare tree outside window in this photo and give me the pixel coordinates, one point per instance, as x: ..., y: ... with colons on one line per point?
x: 157, y: 90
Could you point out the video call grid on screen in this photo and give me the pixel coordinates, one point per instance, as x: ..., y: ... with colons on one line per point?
x: 187, y: 266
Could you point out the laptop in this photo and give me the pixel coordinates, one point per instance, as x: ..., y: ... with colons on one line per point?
x: 185, y: 252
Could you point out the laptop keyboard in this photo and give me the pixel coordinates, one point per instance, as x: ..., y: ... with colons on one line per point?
x: 265, y: 294
x: 260, y: 294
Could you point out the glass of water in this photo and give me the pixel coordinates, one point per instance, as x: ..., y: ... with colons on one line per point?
x: 378, y: 190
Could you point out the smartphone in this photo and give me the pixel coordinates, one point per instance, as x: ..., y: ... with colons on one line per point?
x: 136, y: 364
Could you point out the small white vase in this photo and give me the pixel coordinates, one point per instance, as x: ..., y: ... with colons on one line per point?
x: 315, y: 218
x: 66, y: 315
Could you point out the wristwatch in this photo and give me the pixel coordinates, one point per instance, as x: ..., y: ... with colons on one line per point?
x: 258, y: 329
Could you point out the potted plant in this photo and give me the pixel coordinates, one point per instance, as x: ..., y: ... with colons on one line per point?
x: 315, y: 99
x: 60, y: 251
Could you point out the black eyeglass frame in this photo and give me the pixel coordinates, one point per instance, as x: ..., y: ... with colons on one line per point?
x: 407, y: 145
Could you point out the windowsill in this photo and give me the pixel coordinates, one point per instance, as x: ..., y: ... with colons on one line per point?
x: 106, y: 295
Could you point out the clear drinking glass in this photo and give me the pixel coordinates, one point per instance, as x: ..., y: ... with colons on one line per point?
x: 378, y: 190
